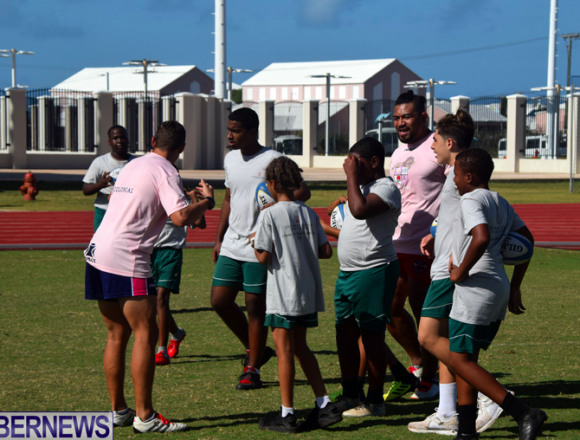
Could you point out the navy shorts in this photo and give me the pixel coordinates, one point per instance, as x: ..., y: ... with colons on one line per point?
x: 108, y: 286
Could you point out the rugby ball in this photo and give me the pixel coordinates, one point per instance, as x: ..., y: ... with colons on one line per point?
x: 337, y: 216
x: 516, y: 249
x: 434, y: 227
x: 263, y: 196
x: 114, y: 174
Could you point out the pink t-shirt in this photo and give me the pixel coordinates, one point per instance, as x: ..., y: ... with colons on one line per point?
x: 420, y: 178
x: 147, y: 191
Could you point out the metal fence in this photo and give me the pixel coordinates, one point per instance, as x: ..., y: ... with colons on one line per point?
x: 536, y: 139
x: 3, y: 121
x: 379, y: 123
x: 489, y: 114
x: 288, y: 129
x: 338, y: 128
x: 60, y: 120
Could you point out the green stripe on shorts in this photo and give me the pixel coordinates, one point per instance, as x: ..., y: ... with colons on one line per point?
x: 289, y: 322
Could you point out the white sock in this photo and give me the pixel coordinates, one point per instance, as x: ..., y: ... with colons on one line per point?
x: 177, y: 336
x: 161, y: 349
x: 321, y: 402
x: 286, y: 411
x: 447, y: 399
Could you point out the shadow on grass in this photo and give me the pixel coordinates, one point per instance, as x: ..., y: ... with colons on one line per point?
x: 199, y: 309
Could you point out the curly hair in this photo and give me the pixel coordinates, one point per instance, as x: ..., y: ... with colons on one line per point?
x: 476, y: 161
x: 458, y: 127
x: 285, y: 173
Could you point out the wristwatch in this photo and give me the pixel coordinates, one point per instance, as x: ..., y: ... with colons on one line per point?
x: 211, y: 202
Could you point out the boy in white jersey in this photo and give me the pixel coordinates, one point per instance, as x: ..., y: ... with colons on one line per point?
x: 97, y: 180
x: 118, y: 273
x: 482, y: 293
x: 237, y: 267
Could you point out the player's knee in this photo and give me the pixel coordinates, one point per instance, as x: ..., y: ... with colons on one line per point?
x: 425, y: 338
x: 256, y: 305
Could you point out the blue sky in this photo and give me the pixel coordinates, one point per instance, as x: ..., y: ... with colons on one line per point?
x: 68, y: 35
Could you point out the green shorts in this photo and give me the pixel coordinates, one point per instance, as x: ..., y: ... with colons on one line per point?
x: 99, y: 214
x: 289, y: 322
x: 367, y: 295
x: 247, y: 276
x: 439, y: 299
x: 468, y: 338
x: 166, y: 266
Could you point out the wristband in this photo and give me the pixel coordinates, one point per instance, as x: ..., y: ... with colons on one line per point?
x: 211, y: 203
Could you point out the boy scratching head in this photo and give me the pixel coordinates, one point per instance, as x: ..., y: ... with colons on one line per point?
x: 473, y: 169
x: 119, y: 142
x: 368, y: 155
x: 454, y: 133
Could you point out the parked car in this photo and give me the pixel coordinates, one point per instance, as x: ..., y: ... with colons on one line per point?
x: 536, y: 146
x: 389, y: 139
x: 288, y: 144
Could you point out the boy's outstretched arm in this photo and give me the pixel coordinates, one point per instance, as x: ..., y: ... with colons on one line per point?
x: 325, y: 251
x: 479, y: 243
x: 515, y: 304
x: 360, y: 207
x: 329, y: 230
x: 334, y: 204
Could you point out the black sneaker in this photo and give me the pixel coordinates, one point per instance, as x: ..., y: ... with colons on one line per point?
x: 280, y: 424
x: 249, y: 380
x: 322, y: 417
x: 532, y: 424
x: 467, y: 436
x: 268, y: 354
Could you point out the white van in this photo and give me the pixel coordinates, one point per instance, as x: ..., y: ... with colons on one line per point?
x: 536, y: 146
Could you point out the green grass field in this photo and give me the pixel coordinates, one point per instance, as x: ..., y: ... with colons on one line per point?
x: 52, y: 342
x: 68, y: 196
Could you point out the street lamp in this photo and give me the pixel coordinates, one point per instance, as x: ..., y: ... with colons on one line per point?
x: 230, y: 71
x: 327, y: 134
x: 145, y: 63
x: 422, y: 84
x: 14, y: 52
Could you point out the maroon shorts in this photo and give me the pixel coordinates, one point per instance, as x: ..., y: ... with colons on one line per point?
x: 417, y: 267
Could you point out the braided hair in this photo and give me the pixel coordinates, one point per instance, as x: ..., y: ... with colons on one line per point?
x: 285, y: 173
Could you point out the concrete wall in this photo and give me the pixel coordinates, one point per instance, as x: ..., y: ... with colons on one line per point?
x: 48, y: 160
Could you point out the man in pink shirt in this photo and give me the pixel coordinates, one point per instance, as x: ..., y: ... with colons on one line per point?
x: 420, y: 178
x: 118, y: 272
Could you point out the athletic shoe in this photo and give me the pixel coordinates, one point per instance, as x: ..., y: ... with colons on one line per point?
x: 416, y: 371
x: 173, y: 347
x: 346, y: 403
x: 397, y: 390
x: 123, y: 419
x: 367, y: 409
x: 487, y: 413
x: 466, y: 436
x: 268, y: 354
x: 436, y: 425
x: 321, y: 417
x: 249, y: 380
x: 162, y: 358
x: 429, y: 389
x: 157, y: 424
x: 280, y: 424
x: 532, y: 424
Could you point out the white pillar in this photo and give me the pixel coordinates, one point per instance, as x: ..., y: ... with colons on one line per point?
x: 188, y: 110
x: 266, y: 130
x: 226, y: 109
x: 516, y: 131
x: 84, y: 129
x: 552, y: 106
x: 458, y: 102
x: 220, y: 49
x: 309, y: 130
x: 33, y: 127
x: 210, y: 130
x: 573, y: 134
x: 16, y: 121
x: 44, y: 122
x: 168, y: 108
x: 356, y: 120
x: 103, y: 120
x: 3, y: 127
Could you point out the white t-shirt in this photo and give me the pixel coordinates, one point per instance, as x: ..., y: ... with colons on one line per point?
x: 444, y: 237
x: 292, y: 232
x: 482, y: 298
x: 104, y: 163
x: 365, y: 244
x: 173, y: 236
x: 147, y: 191
x: 243, y: 175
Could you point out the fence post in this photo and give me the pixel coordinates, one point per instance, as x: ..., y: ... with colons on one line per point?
x: 222, y: 143
x: 103, y: 120
x: 356, y: 122
x: 188, y: 109
x: 17, y: 126
x: 44, y: 123
x: 309, y: 129
x: 573, y: 134
x: 516, y: 131
x: 266, y: 115
x: 458, y: 102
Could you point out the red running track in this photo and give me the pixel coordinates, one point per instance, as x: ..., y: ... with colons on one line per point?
x: 553, y: 225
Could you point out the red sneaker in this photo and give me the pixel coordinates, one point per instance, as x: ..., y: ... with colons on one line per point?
x: 173, y: 347
x: 162, y: 358
x: 249, y: 380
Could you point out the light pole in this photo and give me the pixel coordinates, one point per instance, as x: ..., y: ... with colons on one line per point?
x: 15, y: 52
x: 422, y: 84
x: 230, y: 71
x: 145, y: 63
x: 327, y: 132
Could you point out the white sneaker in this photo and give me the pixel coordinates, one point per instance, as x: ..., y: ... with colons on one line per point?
x: 436, y: 425
x: 123, y: 419
x: 488, y: 412
x: 156, y: 424
x: 427, y: 390
x: 416, y: 371
x: 367, y: 409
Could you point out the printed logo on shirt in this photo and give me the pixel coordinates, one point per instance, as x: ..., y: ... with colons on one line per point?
x: 401, y: 171
x: 297, y: 219
x: 122, y: 189
x: 90, y: 253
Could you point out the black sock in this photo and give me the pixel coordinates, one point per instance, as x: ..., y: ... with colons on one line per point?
x: 375, y: 396
x: 515, y: 407
x: 350, y: 389
x: 360, y: 380
x: 401, y: 374
x: 467, y: 415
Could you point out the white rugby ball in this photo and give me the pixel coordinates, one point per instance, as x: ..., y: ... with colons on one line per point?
x: 263, y: 196
x: 337, y: 216
x: 115, y: 174
x: 516, y: 249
